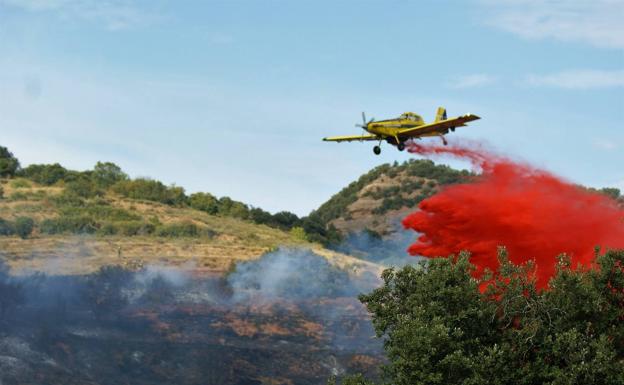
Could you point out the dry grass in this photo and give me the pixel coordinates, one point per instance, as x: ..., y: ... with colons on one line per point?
x: 236, y: 240
x: 360, y: 213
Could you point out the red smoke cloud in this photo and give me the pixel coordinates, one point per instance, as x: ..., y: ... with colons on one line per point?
x: 534, y: 214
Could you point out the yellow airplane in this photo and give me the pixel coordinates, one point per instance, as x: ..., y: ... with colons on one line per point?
x: 407, y: 126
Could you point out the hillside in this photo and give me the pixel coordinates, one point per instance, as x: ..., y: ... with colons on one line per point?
x: 381, y: 197
x: 118, y: 230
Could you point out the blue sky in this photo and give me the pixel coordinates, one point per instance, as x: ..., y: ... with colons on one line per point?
x: 233, y: 97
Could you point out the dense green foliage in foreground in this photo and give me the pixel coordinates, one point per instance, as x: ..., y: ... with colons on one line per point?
x: 440, y: 329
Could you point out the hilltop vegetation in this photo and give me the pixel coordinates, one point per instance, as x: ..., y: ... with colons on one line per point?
x: 372, y: 202
x: 84, y: 203
x: 76, y: 221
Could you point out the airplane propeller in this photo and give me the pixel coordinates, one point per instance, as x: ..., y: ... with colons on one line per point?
x: 365, y: 123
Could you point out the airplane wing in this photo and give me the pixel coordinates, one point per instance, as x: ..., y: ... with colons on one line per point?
x: 351, y: 138
x: 438, y: 127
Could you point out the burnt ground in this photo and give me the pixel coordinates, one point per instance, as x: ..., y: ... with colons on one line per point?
x: 128, y: 328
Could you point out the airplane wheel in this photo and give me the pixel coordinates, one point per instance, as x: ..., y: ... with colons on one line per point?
x: 377, y: 150
x: 401, y: 146
x: 452, y: 129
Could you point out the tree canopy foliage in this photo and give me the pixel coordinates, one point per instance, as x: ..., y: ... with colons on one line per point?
x: 337, y: 205
x: 83, y: 210
x: 9, y: 165
x: 440, y: 328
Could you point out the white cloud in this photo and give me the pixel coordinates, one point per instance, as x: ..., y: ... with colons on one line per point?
x: 579, y: 79
x: 473, y: 80
x: 113, y: 14
x: 604, y: 144
x: 596, y: 22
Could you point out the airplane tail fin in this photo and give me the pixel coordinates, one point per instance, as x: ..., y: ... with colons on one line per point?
x: 441, y: 114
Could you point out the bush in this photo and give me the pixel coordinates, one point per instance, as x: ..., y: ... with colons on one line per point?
x: 45, y: 174
x: 106, y: 174
x: 82, y: 187
x: 231, y: 208
x: 612, y: 192
x: 439, y: 327
x: 20, y: 183
x: 9, y: 164
x: 130, y: 228
x: 82, y: 224
x: 298, y: 233
x: 24, y: 226
x: 6, y: 227
x: 204, y: 202
x: 1, y: 192
x: 151, y: 190
x: 183, y: 229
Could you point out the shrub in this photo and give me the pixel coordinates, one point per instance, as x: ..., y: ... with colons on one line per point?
x: 612, y: 192
x: 82, y: 224
x: 231, y: 208
x: 18, y: 196
x: 83, y: 188
x: 45, y: 174
x: 130, y: 228
x: 298, y: 233
x: 20, y: 183
x: 151, y: 190
x: 1, y: 192
x: 9, y: 164
x: 106, y: 174
x: 6, y: 227
x: 204, y: 202
x: 183, y: 229
x: 67, y: 200
x: 24, y: 226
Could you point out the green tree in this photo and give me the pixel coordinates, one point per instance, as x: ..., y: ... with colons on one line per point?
x: 24, y: 226
x: 612, y: 192
x: 231, y: 208
x: 204, y: 202
x: 106, y: 174
x: 285, y: 220
x: 45, y: 174
x: 260, y: 216
x: 8, y: 163
x: 439, y: 328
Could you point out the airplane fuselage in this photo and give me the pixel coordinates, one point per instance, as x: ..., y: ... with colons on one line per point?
x: 390, y: 129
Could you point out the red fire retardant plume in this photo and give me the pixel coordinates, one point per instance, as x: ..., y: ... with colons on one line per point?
x: 531, y: 212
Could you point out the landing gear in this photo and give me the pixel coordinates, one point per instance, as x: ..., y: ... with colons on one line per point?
x: 443, y: 140
x: 377, y: 150
x: 401, y: 146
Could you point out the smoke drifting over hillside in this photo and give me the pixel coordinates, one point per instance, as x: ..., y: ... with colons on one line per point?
x: 289, y: 315
x: 533, y: 213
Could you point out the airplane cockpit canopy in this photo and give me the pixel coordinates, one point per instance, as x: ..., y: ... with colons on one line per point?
x: 411, y: 116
